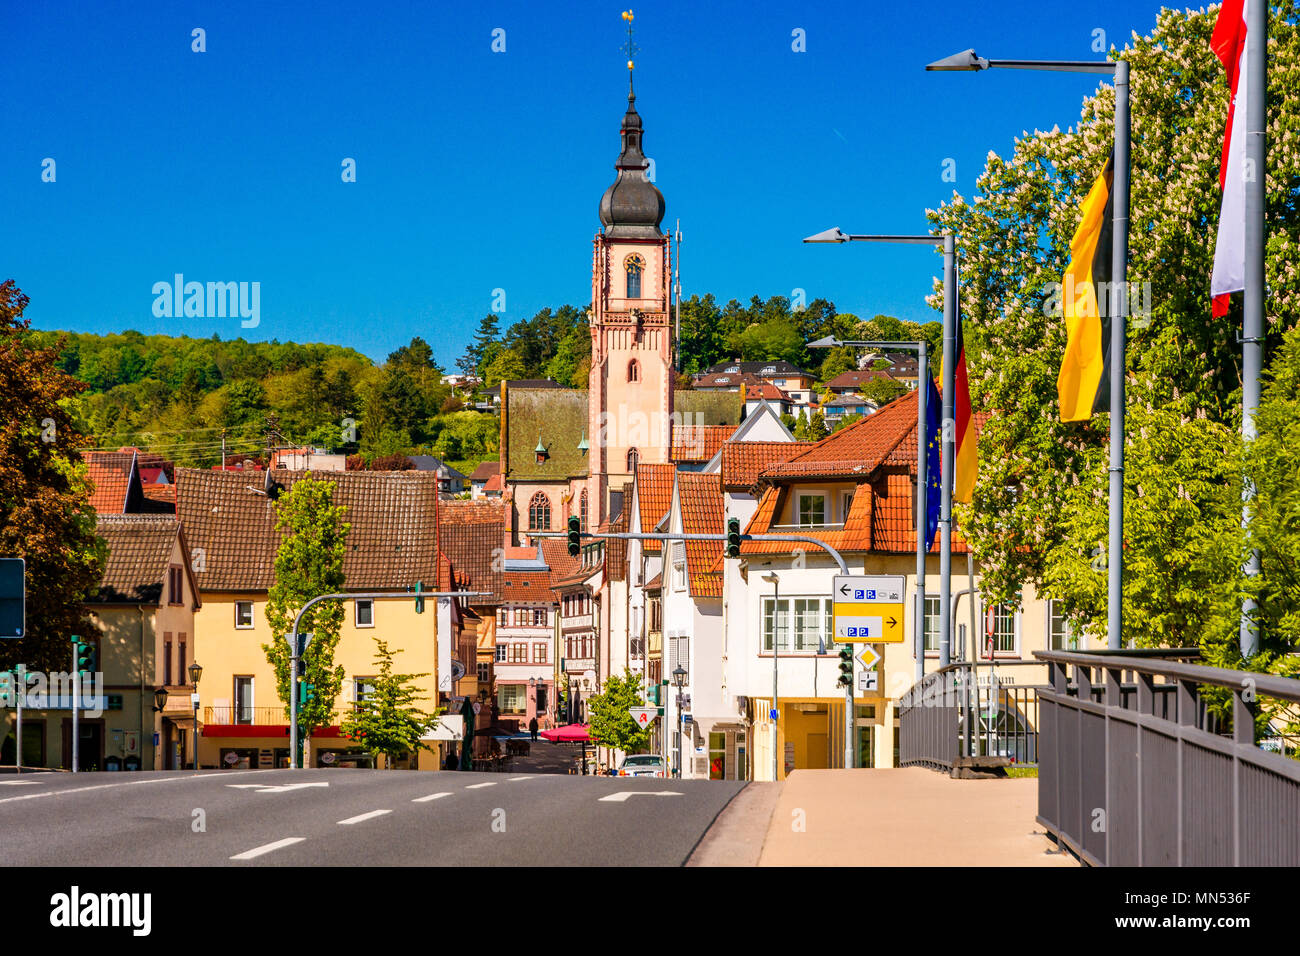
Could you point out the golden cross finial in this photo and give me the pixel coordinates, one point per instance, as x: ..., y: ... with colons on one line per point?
x: 629, y: 48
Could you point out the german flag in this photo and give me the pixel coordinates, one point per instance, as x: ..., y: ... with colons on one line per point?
x: 1084, y: 383
x: 965, y: 460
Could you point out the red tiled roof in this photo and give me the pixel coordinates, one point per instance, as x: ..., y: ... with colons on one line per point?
x: 164, y: 494
x: 471, y: 535
x: 656, y: 583
x: 727, y: 380
x: 139, y: 553
x: 857, y: 378
x: 856, y: 451
x: 527, y: 587
x: 766, y: 390
x: 485, y: 471
x: 110, y: 472
x: 616, y: 548
x: 654, y: 485
x: 703, y: 512
x: 392, y: 542
x: 743, y: 461
x: 699, y: 442
x: 562, y: 565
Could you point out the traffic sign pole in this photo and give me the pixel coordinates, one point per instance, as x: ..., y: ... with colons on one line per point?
x: 76, y: 680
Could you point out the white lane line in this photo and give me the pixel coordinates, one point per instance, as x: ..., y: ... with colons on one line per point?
x: 480, y: 786
x: 132, y: 783
x: 361, y: 817
x: 526, y: 777
x: 432, y: 796
x: 267, y: 848
x: 19, y: 783
x: 622, y: 797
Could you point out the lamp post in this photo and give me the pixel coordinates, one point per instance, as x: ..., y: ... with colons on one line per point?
x: 968, y: 60
x: 922, y: 478
x: 774, y: 579
x: 196, y: 672
x: 679, y: 678
x: 948, y: 427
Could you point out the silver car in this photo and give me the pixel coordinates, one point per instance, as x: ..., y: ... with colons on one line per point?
x: 642, y: 765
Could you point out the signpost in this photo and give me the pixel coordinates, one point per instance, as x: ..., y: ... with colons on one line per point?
x: 868, y: 608
x: 643, y: 715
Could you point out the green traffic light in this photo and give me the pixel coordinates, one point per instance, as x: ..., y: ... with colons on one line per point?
x: 733, y: 537
x: 575, y: 536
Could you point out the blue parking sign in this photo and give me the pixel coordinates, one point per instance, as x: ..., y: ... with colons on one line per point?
x: 858, y: 594
x: 853, y: 632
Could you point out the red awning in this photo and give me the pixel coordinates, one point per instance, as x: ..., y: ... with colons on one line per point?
x: 572, y: 733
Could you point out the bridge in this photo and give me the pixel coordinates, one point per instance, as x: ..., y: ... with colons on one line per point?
x: 1129, y: 758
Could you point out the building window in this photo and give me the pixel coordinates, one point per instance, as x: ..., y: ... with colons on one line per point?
x: 243, y: 614
x: 803, y: 625
x: 1060, y: 636
x: 635, y: 266
x: 175, y: 589
x: 363, y: 688
x: 180, y: 656
x: 243, y: 700
x: 501, y: 653
x: 931, y: 624
x: 634, y: 371
x: 582, y: 509
x: 511, y: 698
x: 539, y: 513
x: 846, y: 505
x: 518, y: 653
x: 501, y: 617
x: 484, y: 670
x: 679, y: 653
x: 167, y: 658
x: 812, y: 510
x: 633, y: 456
x: 1004, y: 628
x: 365, y: 613
x: 539, y: 653
x: 539, y: 617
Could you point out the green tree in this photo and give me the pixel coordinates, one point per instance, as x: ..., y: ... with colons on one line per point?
x: 608, y: 713
x: 1039, y: 513
x: 388, y: 721
x: 308, y: 563
x: 45, y: 513
x: 882, y: 391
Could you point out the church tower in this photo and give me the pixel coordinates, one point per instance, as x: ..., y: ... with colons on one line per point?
x: 632, y: 347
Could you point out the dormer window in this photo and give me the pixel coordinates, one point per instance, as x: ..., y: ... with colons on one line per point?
x: 734, y: 368
x: 769, y: 370
x: 540, y: 451
x: 634, y: 265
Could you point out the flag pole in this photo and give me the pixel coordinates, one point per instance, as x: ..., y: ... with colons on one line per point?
x: 1119, y: 317
x: 948, y: 443
x: 922, y: 500
x: 1252, y: 339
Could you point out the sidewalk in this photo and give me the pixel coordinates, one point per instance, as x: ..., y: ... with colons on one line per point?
x: 906, y: 817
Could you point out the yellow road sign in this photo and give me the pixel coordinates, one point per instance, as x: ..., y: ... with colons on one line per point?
x: 873, y: 623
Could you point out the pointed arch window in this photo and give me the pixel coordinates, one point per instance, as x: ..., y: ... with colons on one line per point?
x: 633, y: 456
x: 539, y: 513
x: 635, y: 266
x: 634, y: 371
x: 582, y: 509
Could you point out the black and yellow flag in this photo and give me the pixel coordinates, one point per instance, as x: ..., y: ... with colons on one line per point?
x: 1084, y: 383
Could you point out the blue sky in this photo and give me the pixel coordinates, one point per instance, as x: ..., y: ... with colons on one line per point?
x: 479, y: 170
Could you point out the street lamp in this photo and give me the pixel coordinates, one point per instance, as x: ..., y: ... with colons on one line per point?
x: 195, y: 673
x: 159, y: 699
x: 922, y: 464
x: 968, y: 60
x: 773, y: 579
x: 679, y: 678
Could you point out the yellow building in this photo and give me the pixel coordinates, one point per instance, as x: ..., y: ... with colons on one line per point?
x: 145, y: 611
x: 392, y: 547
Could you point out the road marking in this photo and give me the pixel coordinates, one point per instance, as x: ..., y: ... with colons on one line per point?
x: 362, y: 817
x: 480, y: 786
x: 19, y: 783
x: 267, y: 848
x: 131, y: 783
x: 432, y: 796
x: 283, y: 788
x: 622, y: 797
x: 527, y: 777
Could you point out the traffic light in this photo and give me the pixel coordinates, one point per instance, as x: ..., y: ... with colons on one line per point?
x: 846, y: 665
x: 87, y: 662
x: 306, y: 692
x: 419, y: 599
x: 575, y: 533
x: 733, y: 537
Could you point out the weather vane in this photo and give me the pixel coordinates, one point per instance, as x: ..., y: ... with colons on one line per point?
x: 629, y: 48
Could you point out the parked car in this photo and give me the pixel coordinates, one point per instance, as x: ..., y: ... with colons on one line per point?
x: 642, y: 765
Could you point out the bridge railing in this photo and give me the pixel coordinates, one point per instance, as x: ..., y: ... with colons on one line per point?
x: 1134, y: 771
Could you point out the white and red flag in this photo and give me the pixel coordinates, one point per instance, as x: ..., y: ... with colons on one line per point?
x: 1229, y: 44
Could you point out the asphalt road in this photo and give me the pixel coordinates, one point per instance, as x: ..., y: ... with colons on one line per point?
x: 353, y: 817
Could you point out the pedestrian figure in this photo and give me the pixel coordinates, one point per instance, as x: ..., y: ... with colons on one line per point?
x: 532, y: 728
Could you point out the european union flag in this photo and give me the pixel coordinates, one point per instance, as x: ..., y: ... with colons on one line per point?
x: 933, y: 477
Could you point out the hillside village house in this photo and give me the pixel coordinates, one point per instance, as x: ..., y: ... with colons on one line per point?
x: 144, y: 610
x: 392, y: 546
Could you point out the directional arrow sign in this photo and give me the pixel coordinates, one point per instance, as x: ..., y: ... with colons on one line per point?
x: 622, y: 797
x: 643, y: 715
x: 868, y: 608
